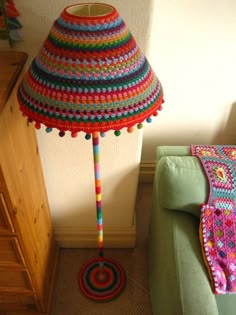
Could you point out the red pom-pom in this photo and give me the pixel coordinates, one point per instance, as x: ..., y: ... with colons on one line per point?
x: 37, y: 125
x: 74, y: 134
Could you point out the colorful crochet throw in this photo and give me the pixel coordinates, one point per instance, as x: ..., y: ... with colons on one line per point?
x: 218, y: 216
x: 90, y: 75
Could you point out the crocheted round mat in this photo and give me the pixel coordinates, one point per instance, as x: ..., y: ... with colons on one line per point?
x: 102, y: 283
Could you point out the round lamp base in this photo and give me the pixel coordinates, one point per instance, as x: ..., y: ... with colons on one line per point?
x: 102, y: 280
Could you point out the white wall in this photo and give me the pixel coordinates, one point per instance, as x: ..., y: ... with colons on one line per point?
x: 192, y: 48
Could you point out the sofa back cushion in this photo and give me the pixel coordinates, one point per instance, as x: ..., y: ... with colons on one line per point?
x: 181, y: 183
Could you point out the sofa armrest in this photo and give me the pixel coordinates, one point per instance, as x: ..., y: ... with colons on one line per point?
x: 178, y: 279
x: 182, y: 184
x: 172, y: 151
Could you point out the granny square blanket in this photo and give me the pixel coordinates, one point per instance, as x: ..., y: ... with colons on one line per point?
x: 218, y: 216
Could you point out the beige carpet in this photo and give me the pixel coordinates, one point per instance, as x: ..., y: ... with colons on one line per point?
x: 135, y: 299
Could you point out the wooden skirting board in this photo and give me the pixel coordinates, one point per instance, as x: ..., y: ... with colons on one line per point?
x: 117, y: 237
x: 146, y: 172
x: 79, y: 237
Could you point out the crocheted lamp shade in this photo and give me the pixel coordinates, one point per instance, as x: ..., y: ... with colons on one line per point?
x: 89, y: 75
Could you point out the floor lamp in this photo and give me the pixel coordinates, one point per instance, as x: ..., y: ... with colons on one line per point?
x: 91, y: 76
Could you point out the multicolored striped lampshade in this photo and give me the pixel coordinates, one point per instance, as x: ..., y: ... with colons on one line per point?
x: 90, y: 75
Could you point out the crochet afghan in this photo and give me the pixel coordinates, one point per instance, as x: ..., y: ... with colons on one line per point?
x: 218, y: 216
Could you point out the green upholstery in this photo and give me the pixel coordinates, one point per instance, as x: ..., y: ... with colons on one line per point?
x: 178, y: 279
x: 177, y: 193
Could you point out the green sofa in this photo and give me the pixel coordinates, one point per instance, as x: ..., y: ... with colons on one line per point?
x: 178, y: 278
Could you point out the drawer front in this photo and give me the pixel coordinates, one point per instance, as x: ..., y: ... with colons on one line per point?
x: 12, y: 280
x: 10, y: 252
x: 17, y: 301
x: 6, y: 225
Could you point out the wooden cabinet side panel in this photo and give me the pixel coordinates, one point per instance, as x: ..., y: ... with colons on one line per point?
x: 29, y: 210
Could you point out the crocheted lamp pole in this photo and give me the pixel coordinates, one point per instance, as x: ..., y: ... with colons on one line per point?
x: 90, y: 76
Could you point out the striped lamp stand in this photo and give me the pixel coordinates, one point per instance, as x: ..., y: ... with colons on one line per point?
x: 100, y: 279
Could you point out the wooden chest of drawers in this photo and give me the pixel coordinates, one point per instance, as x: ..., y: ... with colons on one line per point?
x: 28, y: 251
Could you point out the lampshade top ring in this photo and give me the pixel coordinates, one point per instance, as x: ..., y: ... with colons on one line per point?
x: 89, y: 10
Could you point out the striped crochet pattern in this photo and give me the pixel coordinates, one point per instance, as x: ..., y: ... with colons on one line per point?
x: 90, y: 76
